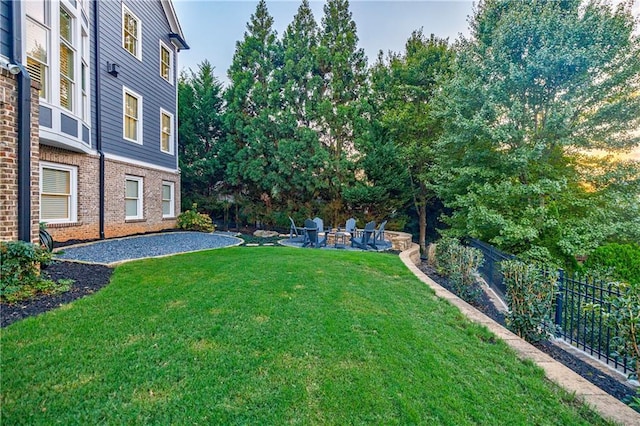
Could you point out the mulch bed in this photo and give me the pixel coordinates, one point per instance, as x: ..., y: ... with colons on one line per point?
x: 87, y: 280
x: 598, y: 377
x: 90, y: 278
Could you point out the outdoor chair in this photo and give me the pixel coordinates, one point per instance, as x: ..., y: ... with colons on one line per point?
x: 311, y: 237
x: 378, y: 242
x: 321, y: 231
x: 350, y: 227
x: 298, y: 231
x: 363, y: 240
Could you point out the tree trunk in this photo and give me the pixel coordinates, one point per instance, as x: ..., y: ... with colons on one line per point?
x: 422, y: 214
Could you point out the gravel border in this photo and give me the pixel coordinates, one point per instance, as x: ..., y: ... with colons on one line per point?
x: 114, y: 251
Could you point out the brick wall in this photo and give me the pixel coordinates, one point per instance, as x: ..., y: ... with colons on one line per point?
x: 9, y: 158
x: 87, y: 226
x: 115, y: 223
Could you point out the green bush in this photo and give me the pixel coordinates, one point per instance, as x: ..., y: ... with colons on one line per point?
x: 193, y: 221
x: 460, y: 265
x: 621, y: 261
x: 530, y: 293
x: 20, y: 271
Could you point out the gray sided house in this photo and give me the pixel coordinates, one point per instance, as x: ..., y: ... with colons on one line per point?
x: 96, y: 142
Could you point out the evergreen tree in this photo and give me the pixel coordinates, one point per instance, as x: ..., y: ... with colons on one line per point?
x: 342, y: 66
x: 299, y: 153
x: 202, y: 149
x: 537, y: 83
x: 253, y: 103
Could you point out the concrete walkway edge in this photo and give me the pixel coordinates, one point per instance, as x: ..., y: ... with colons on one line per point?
x: 606, y: 405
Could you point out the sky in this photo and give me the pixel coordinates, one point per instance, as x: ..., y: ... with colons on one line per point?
x: 212, y: 27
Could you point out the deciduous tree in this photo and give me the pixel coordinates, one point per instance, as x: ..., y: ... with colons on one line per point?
x: 536, y: 83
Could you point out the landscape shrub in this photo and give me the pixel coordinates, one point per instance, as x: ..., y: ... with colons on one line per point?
x: 460, y: 265
x: 20, y: 264
x: 620, y: 261
x: 191, y: 220
x: 530, y: 293
x: 623, y: 315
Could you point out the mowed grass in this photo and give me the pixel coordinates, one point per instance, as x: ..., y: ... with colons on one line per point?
x: 269, y: 335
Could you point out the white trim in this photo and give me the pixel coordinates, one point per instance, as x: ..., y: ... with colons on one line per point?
x: 171, y: 72
x: 126, y: 91
x: 172, y: 200
x: 138, y: 54
x: 73, y: 196
x: 144, y: 164
x: 172, y: 17
x: 172, y: 132
x: 140, y: 201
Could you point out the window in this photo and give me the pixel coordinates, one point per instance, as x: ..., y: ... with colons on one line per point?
x: 37, y: 44
x: 167, y: 199
x: 67, y: 60
x: 58, y: 193
x: 131, y: 32
x: 132, y: 122
x: 133, y: 197
x: 166, y: 132
x: 166, y: 63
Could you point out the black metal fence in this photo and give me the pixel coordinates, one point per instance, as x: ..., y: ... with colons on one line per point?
x: 490, y: 269
x: 585, y: 330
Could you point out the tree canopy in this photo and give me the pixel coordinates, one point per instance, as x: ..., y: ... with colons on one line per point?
x: 498, y: 126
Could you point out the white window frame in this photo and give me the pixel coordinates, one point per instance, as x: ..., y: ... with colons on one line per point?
x: 45, y: 91
x: 126, y: 91
x: 171, y: 131
x: 172, y: 200
x: 71, y: 45
x: 140, y: 199
x: 73, y: 196
x: 168, y: 49
x: 138, y: 53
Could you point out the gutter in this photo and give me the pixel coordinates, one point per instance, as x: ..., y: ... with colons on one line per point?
x: 24, y: 132
x: 98, y: 118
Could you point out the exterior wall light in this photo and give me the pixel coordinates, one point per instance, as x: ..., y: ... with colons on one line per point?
x: 12, y: 68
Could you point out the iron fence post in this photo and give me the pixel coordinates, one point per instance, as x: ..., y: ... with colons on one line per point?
x: 559, y: 302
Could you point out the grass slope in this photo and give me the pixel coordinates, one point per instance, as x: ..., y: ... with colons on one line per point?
x: 269, y: 335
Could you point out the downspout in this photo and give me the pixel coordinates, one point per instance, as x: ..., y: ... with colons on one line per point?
x: 98, y: 117
x: 24, y: 132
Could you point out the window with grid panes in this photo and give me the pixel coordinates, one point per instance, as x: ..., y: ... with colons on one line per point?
x: 130, y: 32
x: 37, y: 43
x: 165, y: 63
x: 166, y: 132
x: 66, y: 60
x: 132, y: 115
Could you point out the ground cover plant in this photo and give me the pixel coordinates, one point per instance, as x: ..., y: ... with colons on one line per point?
x: 269, y: 336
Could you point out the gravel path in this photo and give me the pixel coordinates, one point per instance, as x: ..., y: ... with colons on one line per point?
x: 110, y: 252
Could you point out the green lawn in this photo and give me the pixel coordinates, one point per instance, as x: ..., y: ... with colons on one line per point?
x: 269, y: 335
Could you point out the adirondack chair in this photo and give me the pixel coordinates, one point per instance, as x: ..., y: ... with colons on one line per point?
x: 320, y: 224
x: 378, y: 242
x: 298, y: 231
x: 350, y: 227
x: 363, y: 240
x: 311, y: 237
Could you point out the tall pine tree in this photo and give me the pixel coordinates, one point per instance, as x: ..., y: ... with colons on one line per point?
x: 299, y: 154
x: 253, y: 102
x: 342, y: 66
x: 203, y: 153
